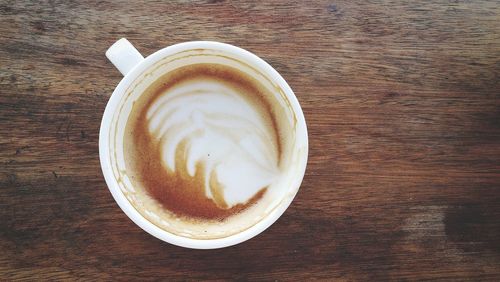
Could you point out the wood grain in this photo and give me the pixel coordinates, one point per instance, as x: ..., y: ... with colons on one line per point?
x: 402, y: 101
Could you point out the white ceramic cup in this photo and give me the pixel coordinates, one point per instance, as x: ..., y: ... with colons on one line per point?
x: 133, y: 66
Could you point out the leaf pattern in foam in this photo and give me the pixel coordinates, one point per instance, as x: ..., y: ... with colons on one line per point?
x: 221, y: 129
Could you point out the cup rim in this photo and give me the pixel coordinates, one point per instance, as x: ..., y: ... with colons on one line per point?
x: 124, y: 203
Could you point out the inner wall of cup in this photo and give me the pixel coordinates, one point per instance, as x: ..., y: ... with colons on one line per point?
x: 278, y: 193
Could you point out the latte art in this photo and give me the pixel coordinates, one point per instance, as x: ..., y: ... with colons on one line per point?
x: 206, y: 127
x: 204, y: 146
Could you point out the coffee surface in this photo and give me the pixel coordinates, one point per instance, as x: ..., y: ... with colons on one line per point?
x: 203, y: 142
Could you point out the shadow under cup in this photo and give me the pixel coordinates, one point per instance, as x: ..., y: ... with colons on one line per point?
x: 256, y: 217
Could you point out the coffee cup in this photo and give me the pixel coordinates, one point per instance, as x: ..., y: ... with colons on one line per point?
x: 202, y: 144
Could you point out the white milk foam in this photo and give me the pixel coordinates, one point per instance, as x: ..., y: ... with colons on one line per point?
x: 222, y: 130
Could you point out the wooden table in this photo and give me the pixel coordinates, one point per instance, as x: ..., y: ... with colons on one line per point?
x: 402, y: 101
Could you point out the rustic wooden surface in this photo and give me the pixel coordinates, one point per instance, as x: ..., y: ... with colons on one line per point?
x: 402, y: 101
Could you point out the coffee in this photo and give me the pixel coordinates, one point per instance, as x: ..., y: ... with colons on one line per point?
x: 204, y: 144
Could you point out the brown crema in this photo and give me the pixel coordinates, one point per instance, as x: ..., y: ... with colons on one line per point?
x: 177, y: 191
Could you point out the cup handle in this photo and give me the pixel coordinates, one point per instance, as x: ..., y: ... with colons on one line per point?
x: 124, y: 55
